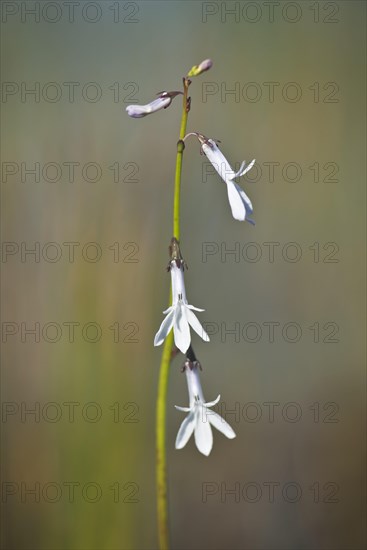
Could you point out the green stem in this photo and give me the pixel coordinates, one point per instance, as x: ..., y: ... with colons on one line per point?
x: 162, y: 508
x: 180, y: 149
x: 161, y: 472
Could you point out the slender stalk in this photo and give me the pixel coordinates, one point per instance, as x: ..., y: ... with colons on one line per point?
x: 180, y: 149
x: 161, y: 468
x: 162, y: 505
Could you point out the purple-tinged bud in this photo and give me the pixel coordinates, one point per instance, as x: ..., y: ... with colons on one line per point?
x: 201, y: 68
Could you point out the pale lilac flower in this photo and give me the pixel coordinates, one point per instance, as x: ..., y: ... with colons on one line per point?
x: 200, y: 417
x: 162, y: 102
x: 179, y: 315
x: 240, y: 203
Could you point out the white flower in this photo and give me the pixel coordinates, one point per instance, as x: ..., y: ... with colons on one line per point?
x: 200, y: 418
x: 162, y: 102
x: 179, y: 315
x: 240, y: 203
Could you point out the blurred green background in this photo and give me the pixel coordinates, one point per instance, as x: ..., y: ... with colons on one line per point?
x: 105, y: 450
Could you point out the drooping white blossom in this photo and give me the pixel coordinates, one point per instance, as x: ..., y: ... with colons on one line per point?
x: 200, y: 418
x: 240, y: 203
x: 179, y: 315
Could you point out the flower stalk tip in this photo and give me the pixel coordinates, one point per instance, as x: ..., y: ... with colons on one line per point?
x: 197, y: 70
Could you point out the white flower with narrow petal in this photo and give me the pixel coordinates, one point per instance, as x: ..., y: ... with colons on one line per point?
x: 179, y: 315
x: 200, y: 417
x: 162, y: 102
x: 240, y: 203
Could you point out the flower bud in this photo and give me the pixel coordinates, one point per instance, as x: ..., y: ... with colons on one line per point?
x: 163, y: 101
x: 199, y: 69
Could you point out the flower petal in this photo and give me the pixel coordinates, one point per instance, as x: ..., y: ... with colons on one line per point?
x: 196, y: 325
x: 243, y: 168
x: 165, y: 328
x: 218, y: 160
x: 245, y: 199
x: 239, y: 171
x: 235, y: 200
x: 203, y: 432
x: 212, y: 403
x: 185, y: 431
x: 184, y: 409
x: 249, y: 166
x: 246, y: 202
x: 178, y: 283
x: 181, y: 329
x: 218, y: 422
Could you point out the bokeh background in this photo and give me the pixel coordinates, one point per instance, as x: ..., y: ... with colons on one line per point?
x: 92, y: 472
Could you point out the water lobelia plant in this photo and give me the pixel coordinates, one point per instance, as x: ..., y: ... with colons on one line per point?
x: 174, y: 331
